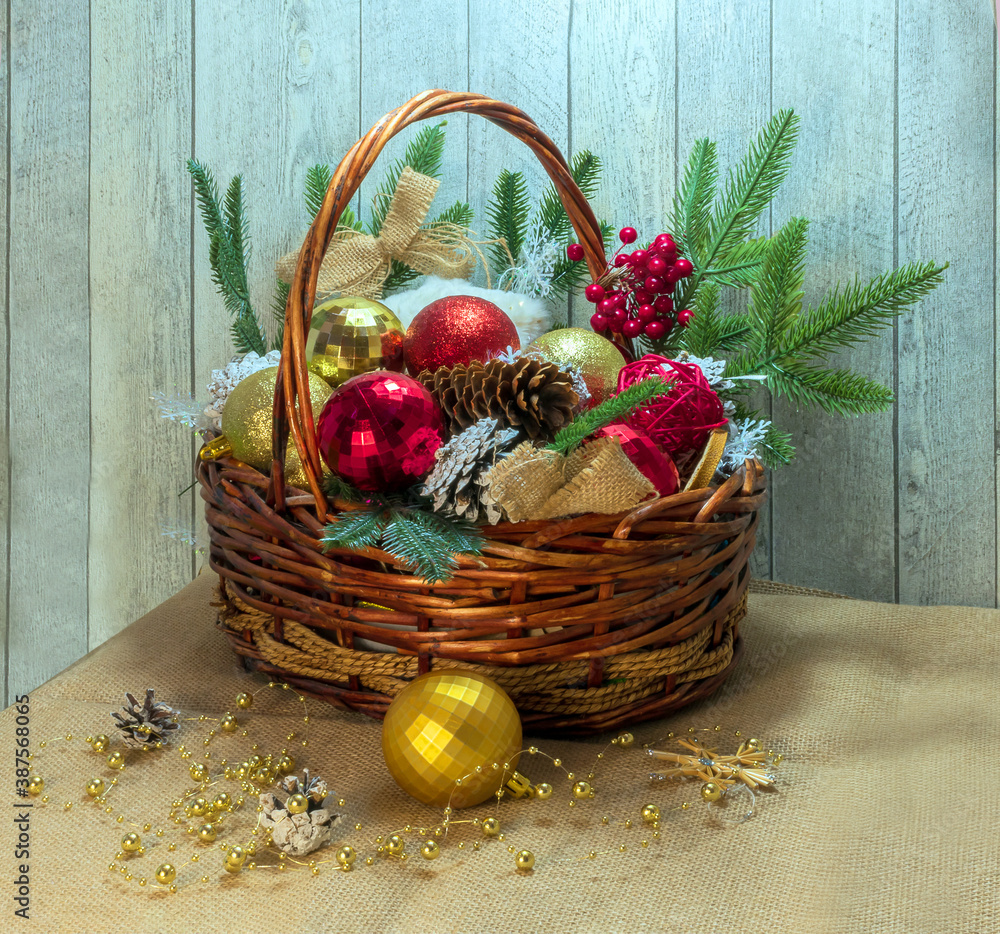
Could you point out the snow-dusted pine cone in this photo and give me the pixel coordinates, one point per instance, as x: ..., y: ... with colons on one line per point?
x: 142, y: 726
x: 534, y: 396
x: 454, y: 483
x: 293, y: 831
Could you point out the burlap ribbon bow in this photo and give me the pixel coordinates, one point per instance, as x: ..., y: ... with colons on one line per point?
x: 357, y: 263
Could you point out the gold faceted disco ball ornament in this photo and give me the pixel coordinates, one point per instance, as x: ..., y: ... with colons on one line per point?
x: 349, y: 336
x: 248, y: 419
x: 597, y: 359
x: 443, y: 725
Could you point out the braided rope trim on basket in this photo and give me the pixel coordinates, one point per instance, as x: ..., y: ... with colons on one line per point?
x: 547, y: 688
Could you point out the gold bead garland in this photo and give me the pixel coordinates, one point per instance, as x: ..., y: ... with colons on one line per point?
x: 203, y: 815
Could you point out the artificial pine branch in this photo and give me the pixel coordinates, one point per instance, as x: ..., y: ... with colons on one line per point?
x: 742, y: 264
x: 704, y: 332
x: 839, y: 392
x: 355, y: 531
x: 611, y: 410
x: 692, y: 212
x: 278, y: 306
x: 317, y: 181
x: 228, y: 254
x: 748, y: 192
x: 508, y: 217
x: 776, y: 449
x: 586, y: 169
x: 460, y: 214
x: 853, y: 314
x: 776, y: 297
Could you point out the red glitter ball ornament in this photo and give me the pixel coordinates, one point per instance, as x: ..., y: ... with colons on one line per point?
x: 457, y: 329
x: 681, y: 419
x: 380, y: 431
x: 658, y: 468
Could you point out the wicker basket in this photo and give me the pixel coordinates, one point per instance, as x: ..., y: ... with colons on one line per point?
x: 590, y: 623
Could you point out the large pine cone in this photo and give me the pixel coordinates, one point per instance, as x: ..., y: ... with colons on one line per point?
x: 534, y: 396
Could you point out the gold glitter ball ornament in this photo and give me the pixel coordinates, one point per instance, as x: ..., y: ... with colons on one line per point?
x: 440, y: 727
x: 597, y: 359
x: 248, y: 419
x: 351, y: 335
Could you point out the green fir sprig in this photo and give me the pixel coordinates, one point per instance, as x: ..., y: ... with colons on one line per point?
x: 610, y: 410
x: 405, y: 526
x: 229, y: 254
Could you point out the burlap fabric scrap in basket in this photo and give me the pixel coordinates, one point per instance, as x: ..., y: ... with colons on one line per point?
x: 884, y: 821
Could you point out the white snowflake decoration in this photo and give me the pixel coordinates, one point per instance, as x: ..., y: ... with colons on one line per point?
x: 746, y: 435
x: 224, y: 381
x: 180, y: 408
x: 536, y: 264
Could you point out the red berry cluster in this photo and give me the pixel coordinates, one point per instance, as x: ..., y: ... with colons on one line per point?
x: 640, y: 302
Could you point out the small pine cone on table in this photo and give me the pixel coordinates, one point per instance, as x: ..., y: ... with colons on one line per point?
x: 143, y: 726
x: 534, y: 396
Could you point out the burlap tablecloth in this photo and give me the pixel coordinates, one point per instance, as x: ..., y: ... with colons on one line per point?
x: 885, y: 817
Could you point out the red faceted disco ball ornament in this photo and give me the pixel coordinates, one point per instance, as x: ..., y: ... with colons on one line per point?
x: 457, y: 329
x: 380, y: 431
x: 658, y: 468
x: 680, y: 420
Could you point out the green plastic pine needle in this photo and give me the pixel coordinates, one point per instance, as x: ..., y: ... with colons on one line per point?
x: 508, y: 217
x: 611, y: 410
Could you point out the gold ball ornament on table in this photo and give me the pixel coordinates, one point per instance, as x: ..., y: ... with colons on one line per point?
x: 350, y: 335
x: 248, y: 420
x: 597, y: 359
x: 443, y: 725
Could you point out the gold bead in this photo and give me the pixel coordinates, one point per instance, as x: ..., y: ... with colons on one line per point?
x: 244, y: 701
x: 199, y: 807
x: 286, y: 764
x: 395, y: 845
x: 475, y: 844
x: 35, y: 785
x: 753, y: 744
x: 685, y: 806
x: 297, y: 804
x: 198, y: 772
x: 228, y: 724
x: 581, y: 790
x: 622, y: 848
x: 116, y: 760
x: 501, y: 837
x: 491, y: 827
x: 779, y: 759
x: 605, y: 819
x: 643, y: 843
x: 195, y: 857
x: 524, y: 860
x: 592, y: 855
x: 557, y: 762
x: 544, y: 790
x: 346, y: 856
x: 171, y: 847
x: 533, y: 750
x: 222, y: 801
x: 656, y: 835
x: 430, y: 849
x: 165, y: 874
x: 369, y: 861
x: 206, y: 833
x: 626, y: 739
x: 650, y: 813
x: 235, y: 855
x: 738, y: 734
x: 131, y: 843
x: 710, y: 791
x: 142, y: 882
x: 45, y: 799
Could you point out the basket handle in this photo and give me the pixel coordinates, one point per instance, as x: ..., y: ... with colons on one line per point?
x: 293, y: 382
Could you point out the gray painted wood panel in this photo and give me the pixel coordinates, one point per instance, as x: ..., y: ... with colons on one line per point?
x: 946, y: 487
x: 106, y: 103
x: 849, y: 200
x: 50, y: 332
x: 5, y: 343
x: 723, y: 56
x: 140, y: 303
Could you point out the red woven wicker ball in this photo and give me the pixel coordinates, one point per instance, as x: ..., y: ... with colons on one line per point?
x: 682, y: 419
x: 457, y: 329
x: 658, y: 468
x: 380, y: 431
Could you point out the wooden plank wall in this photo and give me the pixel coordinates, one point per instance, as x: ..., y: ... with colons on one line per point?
x: 107, y: 296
